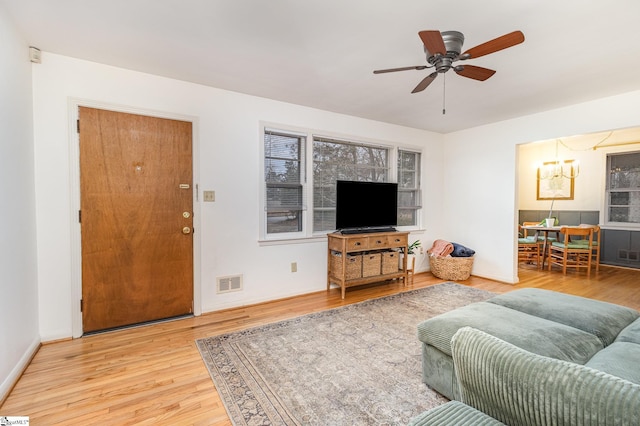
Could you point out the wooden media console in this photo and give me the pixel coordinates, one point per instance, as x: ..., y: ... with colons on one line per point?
x: 357, y: 259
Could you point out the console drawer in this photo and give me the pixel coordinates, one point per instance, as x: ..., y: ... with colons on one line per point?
x: 356, y: 244
x: 378, y: 242
x: 397, y: 240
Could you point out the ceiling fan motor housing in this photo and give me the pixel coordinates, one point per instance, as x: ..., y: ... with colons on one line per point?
x: 453, y: 41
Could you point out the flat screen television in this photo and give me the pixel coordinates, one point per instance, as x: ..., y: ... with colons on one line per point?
x: 366, y: 206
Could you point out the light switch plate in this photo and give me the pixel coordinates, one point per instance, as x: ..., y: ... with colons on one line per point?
x: 209, y: 195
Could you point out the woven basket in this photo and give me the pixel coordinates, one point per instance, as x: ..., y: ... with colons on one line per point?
x: 371, y: 264
x: 389, y: 262
x: 451, y: 268
x: 353, y: 269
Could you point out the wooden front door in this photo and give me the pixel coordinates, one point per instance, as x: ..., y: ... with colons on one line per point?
x: 136, y: 218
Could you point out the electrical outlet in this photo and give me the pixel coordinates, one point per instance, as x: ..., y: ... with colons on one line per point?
x: 209, y: 195
x: 294, y: 266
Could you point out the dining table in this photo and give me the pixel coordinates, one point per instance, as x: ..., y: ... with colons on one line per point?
x: 545, y: 230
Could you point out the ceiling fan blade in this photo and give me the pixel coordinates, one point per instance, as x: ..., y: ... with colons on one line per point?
x: 491, y: 46
x: 433, y: 41
x: 425, y: 82
x: 474, y: 72
x: 417, y: 67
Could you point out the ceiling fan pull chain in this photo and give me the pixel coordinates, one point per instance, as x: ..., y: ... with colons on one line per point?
x: 444, y: 92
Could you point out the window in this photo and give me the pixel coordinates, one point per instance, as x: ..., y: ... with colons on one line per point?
x: 284, y: 180
x: 623, y: 188
x: 338, y: 160
x: 288, y: 190
x: 409, y: 200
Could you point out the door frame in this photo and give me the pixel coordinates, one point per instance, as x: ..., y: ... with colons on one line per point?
x: 74, y: 163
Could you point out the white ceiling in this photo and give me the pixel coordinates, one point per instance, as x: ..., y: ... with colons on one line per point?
x: 321, y: 53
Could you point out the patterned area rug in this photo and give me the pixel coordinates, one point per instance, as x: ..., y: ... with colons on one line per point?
x: 355, y: 365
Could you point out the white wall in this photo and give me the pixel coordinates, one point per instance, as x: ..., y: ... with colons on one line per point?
x: 227, y: 135
x: 473, y: 201
x: 482, y: 196
x: 19, y: 336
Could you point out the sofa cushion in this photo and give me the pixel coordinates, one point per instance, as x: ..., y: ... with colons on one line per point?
x: 453, y: 413
x: 521, y: 388
x: 631, y: 333
x: 620, y: 359
x: 534, y: 334
x: 602, y: 319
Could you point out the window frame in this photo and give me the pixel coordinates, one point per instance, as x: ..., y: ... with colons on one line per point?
x: 609, y: 191
x: 385, y: 171
x: 307, y: 232
x: 417, y: 206
x: 264, y: 185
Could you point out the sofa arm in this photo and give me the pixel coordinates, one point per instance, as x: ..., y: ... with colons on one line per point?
x: 518, y: 387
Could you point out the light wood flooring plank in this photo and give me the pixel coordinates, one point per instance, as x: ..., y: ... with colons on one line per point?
x: 154, y: 374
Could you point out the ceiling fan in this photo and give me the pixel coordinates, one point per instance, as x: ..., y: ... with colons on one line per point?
x: 443, y: 49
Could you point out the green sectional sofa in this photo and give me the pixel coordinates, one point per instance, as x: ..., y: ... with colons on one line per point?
x: 500, y: 383
x: 578, y: 330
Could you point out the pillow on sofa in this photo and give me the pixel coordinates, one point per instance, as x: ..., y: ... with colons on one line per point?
x: 461, y: 251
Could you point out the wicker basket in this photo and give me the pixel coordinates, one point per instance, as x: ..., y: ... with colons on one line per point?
x: 451, y: 268
x: 354, y: 265
x: 371, y: 264
x: 389, y: 262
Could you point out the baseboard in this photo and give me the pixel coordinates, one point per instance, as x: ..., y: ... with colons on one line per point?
x: 17, y: 371
x: 500, y: 279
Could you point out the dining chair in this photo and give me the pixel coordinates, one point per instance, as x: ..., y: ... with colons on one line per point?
x: 543, y: 249
x: 571, y: 254
x: 528, y: 247
x: 595, y: 243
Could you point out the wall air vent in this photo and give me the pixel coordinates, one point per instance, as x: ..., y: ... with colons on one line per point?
x: 623, y: 254
x: 229, y: 283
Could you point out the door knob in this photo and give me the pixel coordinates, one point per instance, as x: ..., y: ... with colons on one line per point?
x: 186, y: 215
x: 186, y: 230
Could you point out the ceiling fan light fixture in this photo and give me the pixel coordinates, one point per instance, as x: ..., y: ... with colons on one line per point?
x: 453, y: 41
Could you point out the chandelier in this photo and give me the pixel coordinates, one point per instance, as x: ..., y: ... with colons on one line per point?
x: 568, y: 169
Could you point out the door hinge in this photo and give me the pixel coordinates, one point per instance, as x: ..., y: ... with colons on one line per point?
x: 79, y: 216
x: 81, y: 305
x: 78, y: 125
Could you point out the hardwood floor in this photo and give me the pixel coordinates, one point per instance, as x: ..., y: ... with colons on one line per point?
x: 154, y: 374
